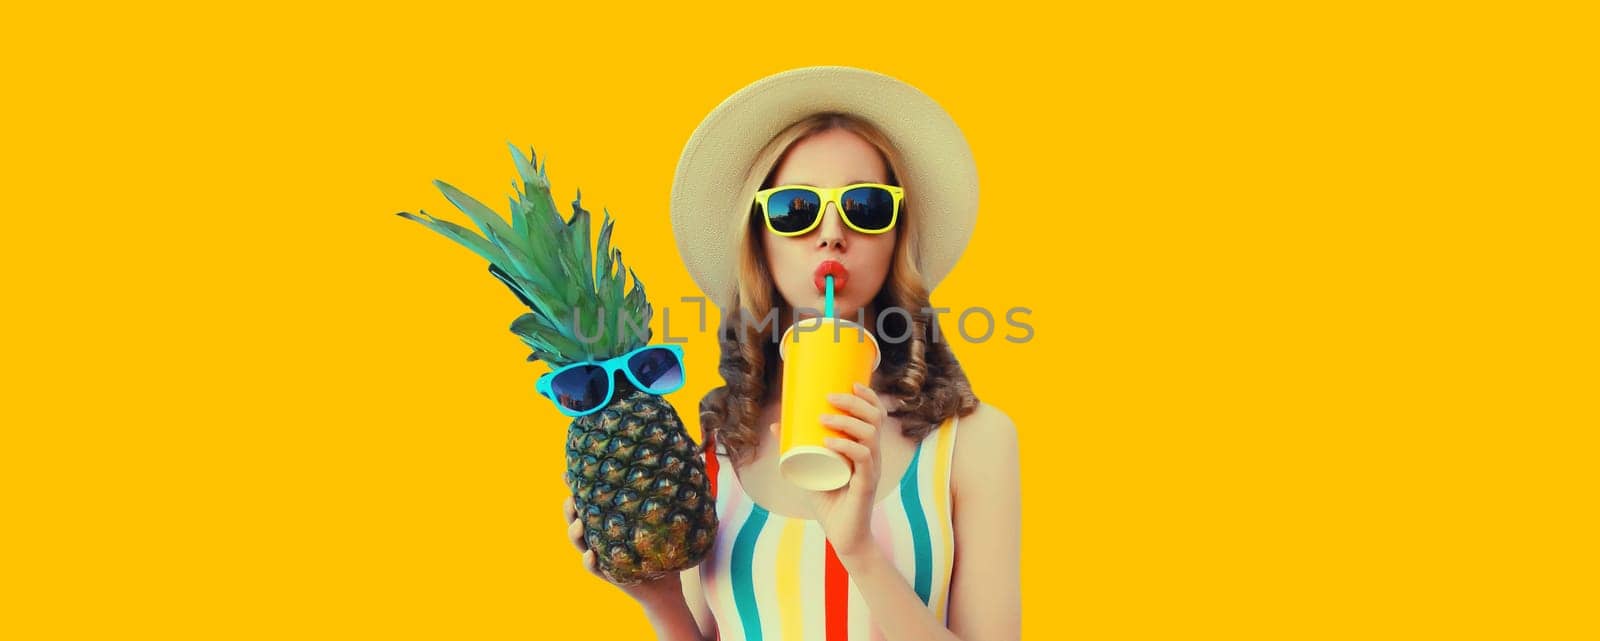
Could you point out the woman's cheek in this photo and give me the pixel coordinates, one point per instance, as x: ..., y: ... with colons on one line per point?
x: 782, y: 261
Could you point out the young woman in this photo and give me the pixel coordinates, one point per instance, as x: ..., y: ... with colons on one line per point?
x: 923, y: 541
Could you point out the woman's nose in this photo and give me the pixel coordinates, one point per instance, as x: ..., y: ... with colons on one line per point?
x: 831, y: 231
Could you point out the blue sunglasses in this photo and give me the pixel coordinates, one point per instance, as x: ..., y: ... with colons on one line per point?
x: 584, y: 388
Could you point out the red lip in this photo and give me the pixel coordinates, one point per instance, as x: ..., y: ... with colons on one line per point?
x: 830, y: 268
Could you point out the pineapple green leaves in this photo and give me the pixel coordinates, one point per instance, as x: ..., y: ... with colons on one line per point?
x: 579, y: 308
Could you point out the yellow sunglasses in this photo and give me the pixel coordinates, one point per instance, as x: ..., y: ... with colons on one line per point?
x: 793, y: 210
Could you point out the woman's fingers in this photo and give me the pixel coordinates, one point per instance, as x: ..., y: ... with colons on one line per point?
x: 858, y: 453
x: 864, y: 479
x: 575, y: 534
x: 870, y: 394
x: 857, y: 429
x: 859, y: 407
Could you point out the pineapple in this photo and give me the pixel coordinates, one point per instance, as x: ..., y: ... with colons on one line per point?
x: 638, y: 483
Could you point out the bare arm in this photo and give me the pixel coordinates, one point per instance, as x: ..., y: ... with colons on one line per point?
x: 985, y: 601
x: 667, y: 601
x: 986, y: 586
x: 670, y: 614
x: 896, y: 609
x: 694, y: 594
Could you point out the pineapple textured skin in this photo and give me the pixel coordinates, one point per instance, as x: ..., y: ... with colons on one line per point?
x: 640, y: 488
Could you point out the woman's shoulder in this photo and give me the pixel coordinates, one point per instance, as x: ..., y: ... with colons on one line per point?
x: 986, y: 442
x: 986, y: 425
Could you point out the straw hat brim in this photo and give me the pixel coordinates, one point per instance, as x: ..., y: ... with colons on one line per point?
x: 709, y: 199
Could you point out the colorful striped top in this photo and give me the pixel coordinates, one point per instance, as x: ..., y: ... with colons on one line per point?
x: 770, y: 577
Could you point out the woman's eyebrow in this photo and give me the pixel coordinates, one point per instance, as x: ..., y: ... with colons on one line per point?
x: 848, y: 183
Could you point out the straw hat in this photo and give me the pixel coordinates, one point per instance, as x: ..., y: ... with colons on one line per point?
x: 709, y: 197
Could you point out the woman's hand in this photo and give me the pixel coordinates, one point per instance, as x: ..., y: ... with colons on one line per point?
x: 846, y: 513
x: 648, y: 593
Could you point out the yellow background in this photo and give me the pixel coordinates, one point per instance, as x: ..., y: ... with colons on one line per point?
x: 1312, y: 290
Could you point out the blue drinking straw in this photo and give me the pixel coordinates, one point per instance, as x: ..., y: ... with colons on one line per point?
x: 827, y: 302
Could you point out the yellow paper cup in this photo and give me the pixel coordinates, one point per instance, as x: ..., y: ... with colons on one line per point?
x: 817, y: 363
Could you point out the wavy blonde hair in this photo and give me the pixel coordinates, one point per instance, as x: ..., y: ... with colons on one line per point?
x: 922, y: 371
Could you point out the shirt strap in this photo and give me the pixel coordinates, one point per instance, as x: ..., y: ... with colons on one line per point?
x: 711, y: 463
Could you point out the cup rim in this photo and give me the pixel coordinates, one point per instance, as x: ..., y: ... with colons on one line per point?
x: 786, y: 468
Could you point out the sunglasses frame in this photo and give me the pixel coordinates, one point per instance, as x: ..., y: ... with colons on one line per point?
x: 830, y: 195
x: 610, y: 365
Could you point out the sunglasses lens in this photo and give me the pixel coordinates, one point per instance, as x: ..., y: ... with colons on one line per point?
x: 580, y: 389
x: 870, y: 208
x: 658, y: 368
x: 792, y: 210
